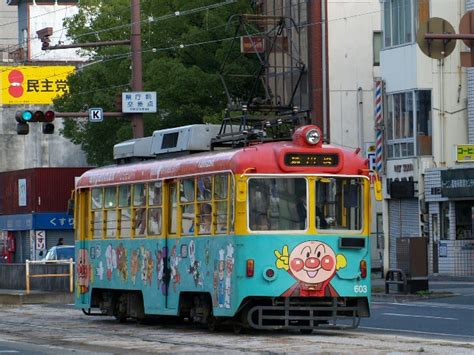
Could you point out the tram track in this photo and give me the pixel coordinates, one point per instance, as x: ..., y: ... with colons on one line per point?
x: 68, y: 328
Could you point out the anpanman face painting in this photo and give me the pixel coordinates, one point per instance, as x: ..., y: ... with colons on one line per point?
x: 312, y: 262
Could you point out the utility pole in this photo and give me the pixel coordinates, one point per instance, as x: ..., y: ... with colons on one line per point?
x: 137, y: 78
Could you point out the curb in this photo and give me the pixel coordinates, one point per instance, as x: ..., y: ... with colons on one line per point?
x: 21, y: 298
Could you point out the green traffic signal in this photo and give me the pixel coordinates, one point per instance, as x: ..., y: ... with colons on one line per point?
x: 25, y: 117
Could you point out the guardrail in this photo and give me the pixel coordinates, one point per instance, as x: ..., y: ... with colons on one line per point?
x: 50, y: 262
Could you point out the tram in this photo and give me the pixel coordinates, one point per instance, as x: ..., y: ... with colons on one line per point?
x: 268, y: 235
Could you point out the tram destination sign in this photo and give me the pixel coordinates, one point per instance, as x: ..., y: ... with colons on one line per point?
x: 311, y: 159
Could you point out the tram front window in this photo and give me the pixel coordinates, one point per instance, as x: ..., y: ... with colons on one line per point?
x: 277, y: 204
x: 339, y: 203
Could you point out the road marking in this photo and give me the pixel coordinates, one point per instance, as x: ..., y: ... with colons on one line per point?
x: 416, y: 332
x: 429, y: 304
x: 415, y: 316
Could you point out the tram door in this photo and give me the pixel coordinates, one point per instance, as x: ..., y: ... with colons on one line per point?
x: 171, y: 261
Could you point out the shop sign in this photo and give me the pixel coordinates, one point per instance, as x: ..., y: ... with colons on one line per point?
x: 465, y: 153
x: 457, y: 183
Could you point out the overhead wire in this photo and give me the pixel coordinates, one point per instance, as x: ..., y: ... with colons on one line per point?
x: 188, y: 45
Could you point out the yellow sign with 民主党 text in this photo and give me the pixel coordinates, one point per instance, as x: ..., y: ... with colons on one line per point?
x: 33, y: 84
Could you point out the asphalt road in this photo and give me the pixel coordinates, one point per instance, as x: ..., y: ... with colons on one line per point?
x: 449, y: 318
x: 438, y: 325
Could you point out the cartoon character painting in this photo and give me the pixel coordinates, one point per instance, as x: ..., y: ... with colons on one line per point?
x: 111, y: 261
x: 134, y: 265
x: 220, y: 281
x: 122, y: 262
x: 147, y: 266
x: 83, y: 270
x: 175, y: 276
x: 160, y: 268
x: 228, y: 277
x: 194, y: 265
x: 313, y: 264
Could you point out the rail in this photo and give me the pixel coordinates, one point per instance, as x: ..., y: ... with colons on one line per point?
x: 50, y: 262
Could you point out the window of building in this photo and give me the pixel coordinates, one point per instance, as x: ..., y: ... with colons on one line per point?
x: 444, y: 220
x: 402, y: 111
x: 376, y: 47
x: 399, y: 24
x: 464, y: 213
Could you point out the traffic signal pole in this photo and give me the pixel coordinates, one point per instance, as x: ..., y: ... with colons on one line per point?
x: 137, y: 79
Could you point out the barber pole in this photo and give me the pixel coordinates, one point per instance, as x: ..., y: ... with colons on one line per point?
x: 378, y: 126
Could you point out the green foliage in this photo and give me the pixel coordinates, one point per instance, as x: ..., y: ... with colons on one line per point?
x: 182, y: 57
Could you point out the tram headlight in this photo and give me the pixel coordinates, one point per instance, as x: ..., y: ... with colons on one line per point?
x: 313, y: 136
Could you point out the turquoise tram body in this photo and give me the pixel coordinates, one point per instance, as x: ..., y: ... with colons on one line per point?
x: 270, y: 236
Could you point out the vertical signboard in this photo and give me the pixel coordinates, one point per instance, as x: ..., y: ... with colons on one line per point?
x: 22, y: 192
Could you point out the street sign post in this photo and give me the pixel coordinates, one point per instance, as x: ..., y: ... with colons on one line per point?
x: 139, y: 102
x: 96, y: 115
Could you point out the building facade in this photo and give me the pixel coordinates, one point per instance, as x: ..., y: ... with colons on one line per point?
x: 37, y: 170
x: 425, y: 119
x: 34, y: 211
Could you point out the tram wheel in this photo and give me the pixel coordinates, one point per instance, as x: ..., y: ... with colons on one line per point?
x: 120, y: 310
x: 237, y: 328
x: 212, y: 323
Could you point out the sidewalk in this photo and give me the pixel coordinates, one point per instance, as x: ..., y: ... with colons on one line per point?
x: 19, y: 297
x: 439, y: 286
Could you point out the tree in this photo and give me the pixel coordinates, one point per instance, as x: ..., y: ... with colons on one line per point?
x: 182, y: 56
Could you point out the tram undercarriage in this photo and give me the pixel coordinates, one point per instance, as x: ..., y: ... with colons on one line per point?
x: 263, y: 313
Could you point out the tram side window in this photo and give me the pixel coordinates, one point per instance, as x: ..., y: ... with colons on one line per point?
x: 139, y: 209
x: 155, y: 207
x: 204, y: 196
x: 97, y: 202
x: 110, y: 205
x: 277, y: 204
x: 221, y: 187
x: 124, y: 210
x: 186, y: 198
x: 339, y: 203
x: 173, y: 207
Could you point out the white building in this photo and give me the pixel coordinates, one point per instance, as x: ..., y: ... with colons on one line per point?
x: 354, y: 41
x: 426, y: 117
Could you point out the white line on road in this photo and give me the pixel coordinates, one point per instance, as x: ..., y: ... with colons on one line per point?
x: 430, y: 304
x: 415, y: 316
x: 416, y: 332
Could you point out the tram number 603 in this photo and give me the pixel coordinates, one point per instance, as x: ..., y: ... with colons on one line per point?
x: 360, y: 289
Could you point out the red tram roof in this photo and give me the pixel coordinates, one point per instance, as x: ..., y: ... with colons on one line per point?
x: 265, y: 158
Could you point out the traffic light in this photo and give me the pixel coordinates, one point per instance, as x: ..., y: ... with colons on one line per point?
x: 24, y: 117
